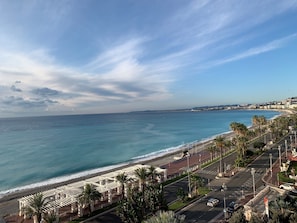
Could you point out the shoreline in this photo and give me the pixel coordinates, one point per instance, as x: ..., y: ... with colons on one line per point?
x: 160, y: 158
x: 10, y: 200
x: 154, y: 161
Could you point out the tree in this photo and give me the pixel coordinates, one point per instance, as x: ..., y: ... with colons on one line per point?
x: 228, y: 145
x: 241, y: 145
x: 238, y: 217
x: 279, y: 210
x: 293, y: 218
x: 220, y: 142
x: 36, y: 206
x: 153, y: 174
x: 129, y: 210
x: 142, y: 175
x: 259, y: 121
x: 166, y: 217
x: 255, y: 219
x: 239, y: 128
x: 122, y: 178
x: 50, y: 218
x: 212, y: 149
x: 196, y: 182
x: 140, y: 204
x: 181, y: 194
x: 88, y: 196
x: 154, y: 198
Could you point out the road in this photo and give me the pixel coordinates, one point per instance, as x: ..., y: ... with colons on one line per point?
x: 239, y: 185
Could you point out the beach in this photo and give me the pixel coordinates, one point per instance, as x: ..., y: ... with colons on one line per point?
x: 168, y: 160
x: 9, y: 203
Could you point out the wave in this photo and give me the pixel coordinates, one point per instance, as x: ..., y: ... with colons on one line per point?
x: 169, y: 150
x: 61, y: 179
x: 188, y: 145
x: 137, y: 159
x: 157, y: 154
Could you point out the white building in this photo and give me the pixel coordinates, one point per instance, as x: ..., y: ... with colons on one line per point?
x: 64, y: 199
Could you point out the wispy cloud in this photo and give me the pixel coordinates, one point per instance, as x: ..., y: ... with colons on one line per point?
x: 137, y: 66
x: 220, y: 25
x: 115, y: 75
x: 273, y: 45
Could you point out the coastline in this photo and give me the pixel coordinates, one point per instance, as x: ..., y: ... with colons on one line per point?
x: 160, y: 159
x: 10, y: 200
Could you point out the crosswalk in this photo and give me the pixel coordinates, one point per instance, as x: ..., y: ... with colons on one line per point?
x: 258, y: 172
x: 207, y: 172
x: 241, y: 190
x: 248, y: 185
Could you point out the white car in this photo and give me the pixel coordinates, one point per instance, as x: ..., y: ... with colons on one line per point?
x: 212, y: 202
x: 287, y: 186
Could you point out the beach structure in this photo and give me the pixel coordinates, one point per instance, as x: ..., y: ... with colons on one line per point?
x: 63, y: 200
x: 259, y: 204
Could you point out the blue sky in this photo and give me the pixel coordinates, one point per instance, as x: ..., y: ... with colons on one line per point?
x: 74, y: 57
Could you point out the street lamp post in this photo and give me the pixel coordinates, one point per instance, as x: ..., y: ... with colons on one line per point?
x: 189, y: 180
x: 286, y: 147
x: 242, y: 192
x: 270, y: 158
x: 253, y: 175
x: 280, y: 157
x: 223, y: 189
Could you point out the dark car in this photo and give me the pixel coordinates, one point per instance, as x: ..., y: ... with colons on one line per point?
x: 233, y: 206
x: 293, y: 193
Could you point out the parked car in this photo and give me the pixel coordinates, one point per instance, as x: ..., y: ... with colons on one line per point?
x: 293, y: 193
x: 287, y: 186
x: 233, y: 206
x: 212, y: 202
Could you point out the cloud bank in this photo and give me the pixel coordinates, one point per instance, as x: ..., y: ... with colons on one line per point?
x: 41, y: 73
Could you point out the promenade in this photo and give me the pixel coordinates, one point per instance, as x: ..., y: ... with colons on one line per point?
x: 199, y: 156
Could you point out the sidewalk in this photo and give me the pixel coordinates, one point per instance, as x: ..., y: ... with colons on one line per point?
x: 271, y: 177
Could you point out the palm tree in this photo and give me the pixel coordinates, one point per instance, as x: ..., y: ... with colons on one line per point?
x: 36, y: 206
x: 166, y: 217
x: 196, y: 182
x: 256, y: 122
x: 228, y: 145
x: 153, y: 174
x: 255, y: 219
x: 88, y: 196
x: 142, y: 204
x: 142, y: 174
x: 181, y: 194
x: 212, y: 149
x: 259, y: 121
x: 279, y: 210
x: 238, y: 217
x: 242, y: 145
x: 122, y: 178
x: 220, y: 142
x: 50, y: 218
x: 241, y: 148
x: 239, y: 128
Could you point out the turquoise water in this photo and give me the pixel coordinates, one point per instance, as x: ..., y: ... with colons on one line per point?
x: 42, y: 150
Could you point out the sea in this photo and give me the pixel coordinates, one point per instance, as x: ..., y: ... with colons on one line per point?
x: 37, y: 151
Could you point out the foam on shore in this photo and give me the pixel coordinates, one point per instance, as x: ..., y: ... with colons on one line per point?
x: 138, y: 159
x: 61, y: 179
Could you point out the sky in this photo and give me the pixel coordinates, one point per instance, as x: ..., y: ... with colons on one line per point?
x: 95, y: 56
